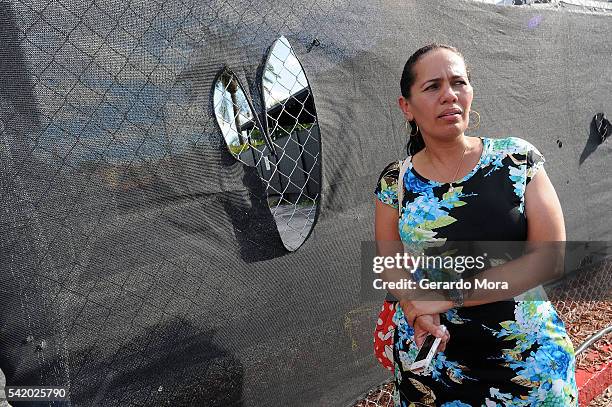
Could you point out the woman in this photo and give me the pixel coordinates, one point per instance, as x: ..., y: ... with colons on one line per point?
x: 493, y: 353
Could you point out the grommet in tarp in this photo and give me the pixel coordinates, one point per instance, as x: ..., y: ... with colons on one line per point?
x: 602, y: 126
x: 315, y: 43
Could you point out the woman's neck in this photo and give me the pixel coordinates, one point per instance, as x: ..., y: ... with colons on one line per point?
x: 441, y: 160
x: 445, y: 152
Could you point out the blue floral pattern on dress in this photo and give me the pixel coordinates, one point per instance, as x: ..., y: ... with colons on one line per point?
x: 548, y: 368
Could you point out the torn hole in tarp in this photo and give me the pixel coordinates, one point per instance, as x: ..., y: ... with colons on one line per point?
x: 599, y: 131
x: 602, y: 126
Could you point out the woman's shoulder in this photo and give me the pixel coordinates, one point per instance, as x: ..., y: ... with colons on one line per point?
x: 386, y: 187
x: 522, y: 154
x: 512, y: 145
x: 391, y: 170
x: 388, y: 176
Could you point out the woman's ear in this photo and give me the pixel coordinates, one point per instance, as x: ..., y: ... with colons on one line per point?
x: 404, y: 105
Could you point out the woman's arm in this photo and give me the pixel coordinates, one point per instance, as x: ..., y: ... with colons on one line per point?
x: 388, y: 243
x: 543, y: 210
x: 545, y: 227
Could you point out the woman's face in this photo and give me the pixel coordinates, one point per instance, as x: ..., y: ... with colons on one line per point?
x: 441, y: 96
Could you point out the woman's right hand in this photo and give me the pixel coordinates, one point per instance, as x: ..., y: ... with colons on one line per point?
x: 430, y: 324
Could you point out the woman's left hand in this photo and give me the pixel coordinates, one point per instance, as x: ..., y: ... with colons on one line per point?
x: 430, y: 325
x: 413, y: 309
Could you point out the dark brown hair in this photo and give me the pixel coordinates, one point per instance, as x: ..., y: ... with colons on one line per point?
x: 416, y: 142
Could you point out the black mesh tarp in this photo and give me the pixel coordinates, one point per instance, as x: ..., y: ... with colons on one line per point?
x: 139, y: 262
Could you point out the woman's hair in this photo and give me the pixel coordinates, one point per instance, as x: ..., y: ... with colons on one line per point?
x: 416, y: 142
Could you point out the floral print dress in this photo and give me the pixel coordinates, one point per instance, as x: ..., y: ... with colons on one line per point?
x: 507, y: 353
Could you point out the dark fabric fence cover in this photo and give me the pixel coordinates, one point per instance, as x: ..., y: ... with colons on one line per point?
x: 139, y: 262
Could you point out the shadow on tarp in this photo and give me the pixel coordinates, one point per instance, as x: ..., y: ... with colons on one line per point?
x: 168, y: 364
x: 253, y: 224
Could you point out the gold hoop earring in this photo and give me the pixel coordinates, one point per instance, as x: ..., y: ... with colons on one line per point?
x: 413, y: 130
x: 477, y: 124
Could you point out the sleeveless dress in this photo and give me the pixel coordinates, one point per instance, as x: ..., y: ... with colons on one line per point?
x: 507, y: 353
